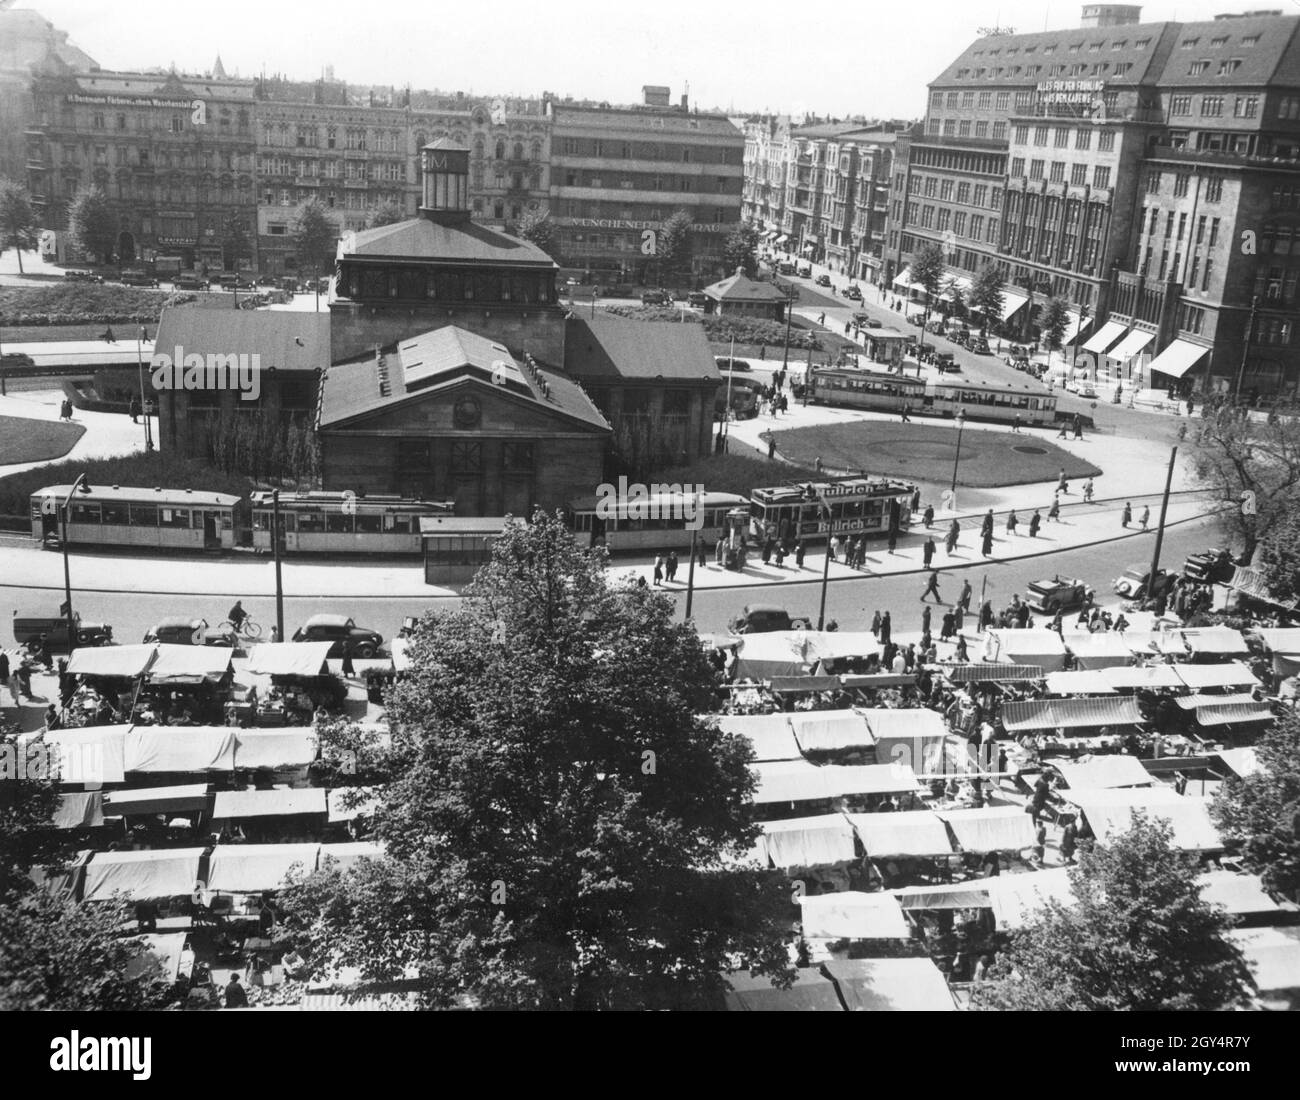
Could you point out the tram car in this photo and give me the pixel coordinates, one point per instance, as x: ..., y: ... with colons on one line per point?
x: 856, y: 506
x: 119, y: 515
x: 343, y: 523
x: 656, y: 521
x: 863, y: 389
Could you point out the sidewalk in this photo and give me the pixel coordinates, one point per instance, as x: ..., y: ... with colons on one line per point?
x: 108, y: 435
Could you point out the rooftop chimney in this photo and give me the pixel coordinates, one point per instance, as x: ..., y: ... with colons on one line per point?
x: 1110, y: 15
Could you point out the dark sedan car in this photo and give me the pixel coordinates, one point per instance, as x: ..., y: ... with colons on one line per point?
x: 344, y: 636
x: 853, y: 294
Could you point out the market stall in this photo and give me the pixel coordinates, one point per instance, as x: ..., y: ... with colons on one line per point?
x: 1110, y: 812
x: 142, y: 876
x: 1104, y: 772
x: 989, y: 828
x: 853, y: 915
x: 916, y: 834
x: 770, y: 734
x: 180, y: 749
x: 811, y: 992
x: 252, y: 868
x: 891, y: 985
x: 819, y: 841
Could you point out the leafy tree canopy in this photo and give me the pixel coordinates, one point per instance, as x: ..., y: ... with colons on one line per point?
x: 559, y: 822
x: 537, y: 227
x: 386, y: 213
x: 740, y: 250
x: 91, y: 223
x: 17, y: 219
x: 1053, y: 319
x: 927, y: 269
x: 314, y: 236
x: 986, y: 292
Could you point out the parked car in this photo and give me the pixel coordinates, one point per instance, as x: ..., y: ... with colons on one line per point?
x: 732, y: 364
x: 697, y: 298
x: 343, y: 634
x: 979, y: 345
x: 785, y: 268
x: 188, y: 280
x: 137, y: 278
x: 1047, y: 597
x: 917, y: 319
x: 16, y: 359
x: 1132, y: 583
x: 656, y: 298
x: 82, y: 277
x: 935, y: 326
x: 944, y: 361
x: 823, y: 280
x: 876, y: 324
x: 184, y: 631
x: 763, y: 618
x: 1214, y: 566
x: 27, y: 632
x: 852, y: 293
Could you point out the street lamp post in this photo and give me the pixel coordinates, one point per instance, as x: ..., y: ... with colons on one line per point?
x: 67, y: 569
x: 140, y: 336
x: 961, y: 426
x: 276, y: 536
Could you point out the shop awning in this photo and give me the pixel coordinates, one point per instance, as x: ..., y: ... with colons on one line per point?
x: 126, y: 661
x: 149, y: 875
x: 1229, y: 674
x: 1252, y: 583
x: 276, y: 748
x: 1076, y: 326
x: 180, y: 749
x: 250, y: 868
x: 1017, y: 898
x: 165, y: 949
x: 809, y: 841
x: 79, y: 810
x: 348, y: 853
x: 189, y: 664
x: 990, y: 672
x: 853, y: 915
x: 1233, y: 714
x: 1279, y: 639
x: 953, y: 284
x: 230, y: 805
x: 1103, y: 772
x: 1028, y: 647
x: 1273, y: 955
x: 1105, y: 337
x: 1084, y: 682
x: 791, y: 781
x: 1111, y: 812
x: 1238, y: 894
x: 810, y: 993
x: 904, y: 282
x: 1151, y: 677
x: 827, y: 731
x: 1131, y: 345
x: 189, y: 798
x: 913, y: 834
x: 957, y: 895
x: 1178, y: 358
x: 1195, y: 702
x: 873, y: 779
x: 1215, y: 640
x: 1241, y: 762
x: 782, y: 238
x: 890, y: 724
x: 990, y: 829
x: 1096, y: 651
x: 891, y: 985
x: 289, y: 659
x: 770, y: 734
x: 349, y: 803
x: 1042, y: 714
x: 1012, y: 303
x: 91, y: 756
x: 803, y: 685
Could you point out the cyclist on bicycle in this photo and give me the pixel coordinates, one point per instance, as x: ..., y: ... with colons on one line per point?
x: 238, y: 616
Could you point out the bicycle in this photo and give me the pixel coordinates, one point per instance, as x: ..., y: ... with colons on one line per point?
x: 249, y: 629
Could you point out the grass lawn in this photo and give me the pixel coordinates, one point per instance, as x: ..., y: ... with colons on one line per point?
x: 924, y: 452
x: 23, y: 440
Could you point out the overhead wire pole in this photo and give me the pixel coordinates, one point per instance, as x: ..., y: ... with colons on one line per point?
x: 67, y: 569
x: 1160, y: 527
x: 826, y: 565
x: 690, y: 569
x: 277, y: 535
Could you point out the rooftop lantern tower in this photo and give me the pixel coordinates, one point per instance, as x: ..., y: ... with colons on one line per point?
x: 444, y: 168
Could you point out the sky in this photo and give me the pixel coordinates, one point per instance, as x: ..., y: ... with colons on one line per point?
x: 833, y: 58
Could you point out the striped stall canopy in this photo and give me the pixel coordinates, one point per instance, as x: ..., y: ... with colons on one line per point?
x: 1039, y: 714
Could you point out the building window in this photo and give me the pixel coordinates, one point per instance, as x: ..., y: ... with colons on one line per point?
x: 1230, y: 65
x: 1002, y: 101
x: 1245, y: 106
x: 1288, y: 107
x: 950, y: 127
x: 1214, y: 232
x: 1058, y: 172
x: 1211, y: 106
x: 1078, y: 174
x: 1101, y: 176
x: 466, y: 459
x: 1181, y: 182
x: 981, y: 129
x: 1153, y: 183
x: 1062, y: 138
x: 1105, y: 141
x: 963, y: 128
x: 1022, y: 135
x: 1180, y: 105
x: 999, y: 131
x: 1017, y: 166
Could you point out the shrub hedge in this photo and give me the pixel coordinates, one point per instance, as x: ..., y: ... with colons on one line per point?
x: 82, y: 304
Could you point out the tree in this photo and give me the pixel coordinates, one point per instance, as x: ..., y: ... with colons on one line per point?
x: 1052, y: 321
x: 537, y: 228
x: 986, y: 294
x: 740, y: 250
x: 1279, y: 559
x: 386, y: 213
x: 91, y: 223
x: 558, y: 820
x: 1253, y: 468
x: 927, y: 272
x: 1138, y: 937
x: 1262, y: 811
x: 673, y: 245
x: 314, y: 238
x: 237, y: 244
x: 17, y: 220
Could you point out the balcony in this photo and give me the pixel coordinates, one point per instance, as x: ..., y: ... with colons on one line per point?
x: 1187, y: 155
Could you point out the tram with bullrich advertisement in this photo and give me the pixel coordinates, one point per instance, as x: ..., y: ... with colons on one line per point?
x: 814, y: 511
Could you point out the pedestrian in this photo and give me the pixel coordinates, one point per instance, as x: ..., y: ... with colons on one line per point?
x: 925, y: 619
x: 949, y: 628
x: 1087, y: 491
x: 1015, y: 424
x: 1078, y: 426
x: 987, y: 548
x: 927, y: 552
x: 951, y: 541
x: 1069, y: 842
x: 1190, y: 405
x: 1040, y: 843
x: 916, y: 499
x: 1127, y: 517
x: 963, y: 601
x: 986, y: 524
x: 835, y: 547
x: 1054, y: 513
x: 1022, y: 617
x: 785, y: 403
x: 771, y: 446
x: 932, y: 586
x: 886, y: 627
x: 986, y: 616
x: 928, y: 516
x: 65, y: 410
x: 762, y: 351
x: 702, y: 549
x: 1145, y: 518
x: 822, y: 319
x: 818, y: 464
x: 1062, y: 486
x: 235, y: 995
x: 720, y: 552
x: 1035, y: 521
x: 780, y: 555
x: 671, y: 571
x: 875, y: 626
x: 1012, y: 521
x: 109, y: 338
x: 275, y: 634
x: 348, y: 668
x: 904, y: 411
x: 1064, y: 425
x: 659, y: 569
x: 799, y: 553
x: 133, y: 408
x: 767, y: 550
x: 893, y: 540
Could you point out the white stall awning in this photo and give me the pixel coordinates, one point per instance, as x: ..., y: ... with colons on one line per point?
x: 891, y: 985
x: 1178, y: 358
x: 348, y: 853
x: 229, y: 805
x: 1017, y: 898
x: 770, y: 734
x: 1103, y: 772
x: 126, y: 661
x: 157, y: 800
x: 1012, y: 303
x: 189, y: 664
x: 1131, y: 345
x: 828, y: 731
x: 991, y: 829
x: 809, y: 841
x: 853, y: 915
x: 1078, y: 682
x: 1076, y: 325
x: 289, y: 659
x: 251, y: 868
x: 180, y: 749
x: 276, y: 748
x: 1230, y: 674
x: 89, y: 756
x: 914, y: 834
x: 164, y: 873
x: 1105, y: 336
x: 1111, y: 812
